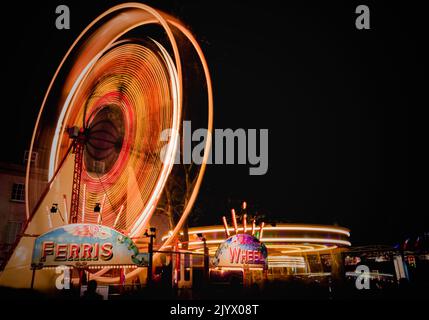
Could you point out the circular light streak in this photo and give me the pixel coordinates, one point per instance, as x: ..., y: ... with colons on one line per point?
x: 136, y: 86
x: 306, y: 248
x: 310, y: 228
x: 131, y: 79
x: 310, y: 240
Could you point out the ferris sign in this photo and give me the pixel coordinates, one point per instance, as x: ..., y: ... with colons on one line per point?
x: 82, y: 245
x: 241, y: 250
x: 76, y: 251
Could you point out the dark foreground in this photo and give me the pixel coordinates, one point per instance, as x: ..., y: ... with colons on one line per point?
x: 270, y: 291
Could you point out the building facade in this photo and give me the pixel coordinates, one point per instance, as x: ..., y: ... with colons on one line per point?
x: 12, y: 205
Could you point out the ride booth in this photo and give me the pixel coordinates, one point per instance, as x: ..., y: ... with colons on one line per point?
x: 240, y: 260
x: 67, y: 257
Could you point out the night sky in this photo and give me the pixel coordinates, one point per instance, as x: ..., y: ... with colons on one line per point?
x: 335, y: 100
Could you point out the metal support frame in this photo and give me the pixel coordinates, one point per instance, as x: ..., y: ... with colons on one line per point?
x: 78, y: 148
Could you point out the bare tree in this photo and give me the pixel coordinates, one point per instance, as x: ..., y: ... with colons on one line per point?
x: 176, y: 196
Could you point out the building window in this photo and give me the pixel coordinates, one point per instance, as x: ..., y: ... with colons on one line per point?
x: 18, y: 192
x: 13, y: 230
x: 33, y: 158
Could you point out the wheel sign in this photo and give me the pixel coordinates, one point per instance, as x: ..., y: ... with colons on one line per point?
x: 241, y: 250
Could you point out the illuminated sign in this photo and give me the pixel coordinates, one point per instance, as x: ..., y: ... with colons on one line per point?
x: 82, y: 245
x: 241, y: 250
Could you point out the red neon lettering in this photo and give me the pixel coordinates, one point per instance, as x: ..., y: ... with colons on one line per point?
x: 244, y: 256
x: 74, y: 251
x: 86, y: 251
x: 234, y: 253
x: 96, y: 251
x: 257, y: 256
x: 107, y: 251
x: 47, y: 249
x: 61, y: 252
x: 251, y: 255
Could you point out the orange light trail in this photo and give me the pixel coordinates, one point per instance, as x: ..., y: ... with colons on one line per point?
x: 234, y: 220
x: 225, y: 224
x: 66, y: 220
x: 311, y: 228
x: 144, y: 81
x: 291, y: 240
x: 83, y: 202
x: 118, y: 216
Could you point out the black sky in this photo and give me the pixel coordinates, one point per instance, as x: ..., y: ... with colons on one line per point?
x: 335, y: 100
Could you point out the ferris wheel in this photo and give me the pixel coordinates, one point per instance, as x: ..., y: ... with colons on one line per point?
x: 133, y: 73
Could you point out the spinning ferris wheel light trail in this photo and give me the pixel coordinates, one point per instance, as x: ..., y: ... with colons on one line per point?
x: 121, y: 83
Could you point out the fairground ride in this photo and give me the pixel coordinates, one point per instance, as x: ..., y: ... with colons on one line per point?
x: 132, y: 73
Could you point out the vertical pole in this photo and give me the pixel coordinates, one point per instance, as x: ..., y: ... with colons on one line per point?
x: 80, y: 272
x: 78, y: 147
x: 149, y: 267
x: 308, y: 263
x: 173, y: 265
x: 49, y: 218
x: 206, y: 262
x: 33, y: 276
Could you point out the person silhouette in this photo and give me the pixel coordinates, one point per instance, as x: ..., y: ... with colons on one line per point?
x: 91, y: 292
